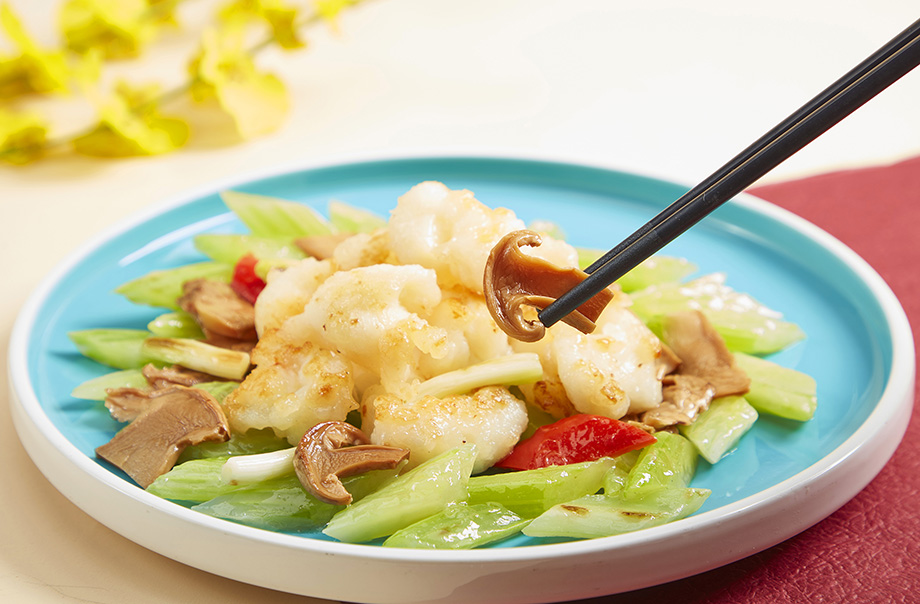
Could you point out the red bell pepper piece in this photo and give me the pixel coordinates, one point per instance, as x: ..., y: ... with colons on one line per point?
x: 246, y: 283
x: 576, y: 439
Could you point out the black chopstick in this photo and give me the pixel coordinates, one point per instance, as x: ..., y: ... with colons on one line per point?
x: 859, y: 85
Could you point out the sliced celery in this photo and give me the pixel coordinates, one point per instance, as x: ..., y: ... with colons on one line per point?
x: 587, y: 256
x: 281, y: 504
x: 94, y: 389
x: 417, y: 494
x: 350, y: 219
x: 273, y: 217
x: 779, y: 390
x: 196, y: 480
x: 670, y: 462
x: 247, y: 443
x: 654, y: 271
x: 720, y: 427
x: 513, y: 369
x: 459, y: 526
x: 176, y: 324
x: 229, y: 248
x: 163, y: 288
x: 219, y: 390
x: 529, y: 493
x: 595, y: 516
x: 617, y: 476
x: 192, y: 354
x: 746, y: 325
x: 118, y: 348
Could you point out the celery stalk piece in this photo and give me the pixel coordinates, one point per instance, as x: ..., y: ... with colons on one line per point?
x: 273, y: 217
x: 421, y: 492
x: 281, y: 504
x: 176, y: 324
x: 118, y: 348
x: 94, y: 389
x: 219, y: 390
x: 350, y: 219
x: 162, y: 288
x: 595, y: 516
x: 779, y: 390
x: 192, y: 354
x: 719, y: 428
x: 617, y: 476
x: 670, y: 462
x: 587, y: 256
x: 248, y: 469
x: 459, y: 526
x: 241, y: 444
x: 745, y: 324
x: 529, y: 493
x: 265, y: 265
x: 656, y: 270
x: 513, y: 369
x: 196, y: 481
x: 229, y: 248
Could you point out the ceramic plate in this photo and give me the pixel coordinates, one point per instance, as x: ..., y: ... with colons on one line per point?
x: 781, y: 479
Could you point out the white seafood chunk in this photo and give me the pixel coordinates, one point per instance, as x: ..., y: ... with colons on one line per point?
x: 292, y: 388
x: 287, y: 291
x: 491, y: 418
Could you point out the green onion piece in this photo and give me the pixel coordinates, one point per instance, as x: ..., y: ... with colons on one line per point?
x: 718, y: 429
x: 118, y: 348
x: 417, y: 494
x: 273, y: 217
x: 778, y: 390
x: 162, y: 288
x: 192, y: 354
x: 459, y: 526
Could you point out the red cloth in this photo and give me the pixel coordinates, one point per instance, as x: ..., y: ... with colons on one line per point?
x: 869, y: 550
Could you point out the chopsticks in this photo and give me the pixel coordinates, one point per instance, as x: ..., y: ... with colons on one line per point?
x: 855, y: 88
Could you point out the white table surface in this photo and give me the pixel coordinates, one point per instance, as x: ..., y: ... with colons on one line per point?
x: 665, y: 88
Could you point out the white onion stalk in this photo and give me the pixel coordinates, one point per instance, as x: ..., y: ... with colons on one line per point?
x: 247, y: 469
x: 512, y: 370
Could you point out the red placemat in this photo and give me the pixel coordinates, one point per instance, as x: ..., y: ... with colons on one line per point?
x: 869, y: 550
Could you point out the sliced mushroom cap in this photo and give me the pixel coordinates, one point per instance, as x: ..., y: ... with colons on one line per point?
x: 703, y: 353
x: 333, y: 450
x: 684, y: 397
x: 514, y: 280
x: 174, y: 418
x: 125, y: 404
x: 218, y: 309
x: 175, y: 375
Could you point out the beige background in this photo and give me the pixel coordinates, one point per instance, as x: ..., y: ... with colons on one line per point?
x: 666, y: 88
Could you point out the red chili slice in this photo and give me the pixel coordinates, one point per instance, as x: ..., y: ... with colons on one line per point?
x: 576, y: 439
x: 246, y: 283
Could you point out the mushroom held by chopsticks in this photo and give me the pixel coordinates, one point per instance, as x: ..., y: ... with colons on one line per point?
x: 514, y: 280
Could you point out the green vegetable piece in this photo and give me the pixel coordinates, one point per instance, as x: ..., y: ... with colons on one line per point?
x: 281, y: 504
x: 118, y: 348
x: 718, y: 429
x: 656, y: 270
x: 745, y: 324
x: 229, y: 248
x: 177, y: 324
x: 587, y: 256
x: 273, y: 217
x: 670, y: 462
x: 163, y: 288
x: 250, y: 442
x: 460, y: 526
x: 350, y: 219
x: 779, y: 390
x: 617, y: 476
x: 529, y: 493
x: 196, y: 481
x: 200, y: 356
x: 94, y: 389
x: 417, y: 494
x: 595, y: 516
x: 219, y: 390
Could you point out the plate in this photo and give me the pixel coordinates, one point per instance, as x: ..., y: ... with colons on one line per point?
x: 781, y: 479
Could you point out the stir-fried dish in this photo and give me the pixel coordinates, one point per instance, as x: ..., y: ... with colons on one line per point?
x: 388, y: 381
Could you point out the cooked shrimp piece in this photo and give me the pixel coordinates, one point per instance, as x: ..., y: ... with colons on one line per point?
x: 292, y: 388
x: 374, y: 316
x: 491, y: 418
x: 363, y: 249
x: 287, y: 292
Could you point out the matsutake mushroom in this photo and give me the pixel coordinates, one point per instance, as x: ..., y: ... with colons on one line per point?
x: 173, y: 418
x: 514, y: 280
x: 333, y: 450
x: 222, y: 314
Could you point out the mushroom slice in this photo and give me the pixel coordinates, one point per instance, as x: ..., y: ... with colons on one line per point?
x: 125, y: 404
x: 333, y: 450
x: 174, y: 418
x: 175, y: 375
x: 703, y: 353
x: 513, y: 280
x: 684, y: 397
x: 321, y: 247
x: 218, y: 309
